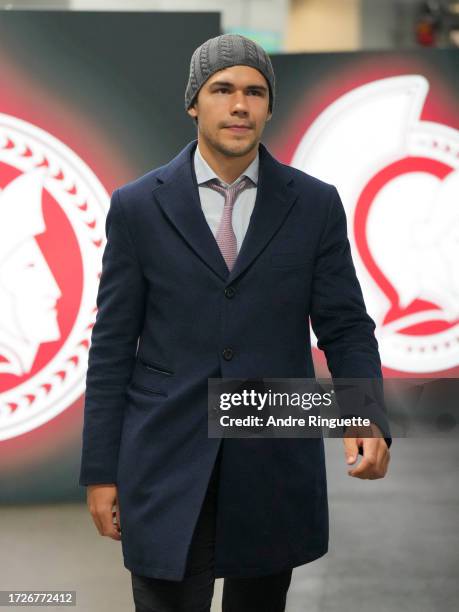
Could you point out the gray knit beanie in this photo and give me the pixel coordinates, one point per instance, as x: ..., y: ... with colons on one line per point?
x: 224, y: 51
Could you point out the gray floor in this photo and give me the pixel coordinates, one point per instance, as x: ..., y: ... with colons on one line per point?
x: 393, y: 543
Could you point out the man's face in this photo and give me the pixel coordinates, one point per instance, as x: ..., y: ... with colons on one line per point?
x: 234, y: 96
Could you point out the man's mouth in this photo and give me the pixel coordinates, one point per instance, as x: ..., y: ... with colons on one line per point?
x: 238, y: 128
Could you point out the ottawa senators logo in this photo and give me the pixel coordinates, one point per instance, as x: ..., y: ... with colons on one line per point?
x: 398, y: 177
x: 52, y: 216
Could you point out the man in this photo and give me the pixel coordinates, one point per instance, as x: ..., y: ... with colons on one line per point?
x: 213, y: 264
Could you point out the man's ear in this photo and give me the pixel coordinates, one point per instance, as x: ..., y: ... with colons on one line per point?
x: 192, y: 111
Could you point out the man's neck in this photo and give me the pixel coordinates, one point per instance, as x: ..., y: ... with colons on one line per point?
x: 226, y: 167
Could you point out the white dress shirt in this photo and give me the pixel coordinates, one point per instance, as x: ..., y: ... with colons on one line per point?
x: 212, y: 201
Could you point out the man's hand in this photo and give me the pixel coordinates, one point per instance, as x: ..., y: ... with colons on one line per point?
x: 376, y: 455
x: 101, y: 498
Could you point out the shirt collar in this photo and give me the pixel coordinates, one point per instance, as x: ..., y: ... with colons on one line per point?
x: 204, y: 172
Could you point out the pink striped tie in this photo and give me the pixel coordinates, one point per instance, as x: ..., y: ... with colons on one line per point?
x: 226, y: 238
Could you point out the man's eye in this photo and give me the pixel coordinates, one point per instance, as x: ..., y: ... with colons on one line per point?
x: 255, y: 91
x: 222, y: 89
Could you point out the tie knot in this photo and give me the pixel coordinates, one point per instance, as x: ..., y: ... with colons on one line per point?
x: 232, y: 190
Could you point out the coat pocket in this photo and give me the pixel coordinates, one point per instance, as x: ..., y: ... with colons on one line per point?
x: 150, y: 378
x: 156, y: 368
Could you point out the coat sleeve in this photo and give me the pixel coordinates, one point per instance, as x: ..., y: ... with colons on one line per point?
x: 119, y: 320
x: 344, y: 330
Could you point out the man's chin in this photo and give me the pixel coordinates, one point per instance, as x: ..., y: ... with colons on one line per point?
x: 237, y: 148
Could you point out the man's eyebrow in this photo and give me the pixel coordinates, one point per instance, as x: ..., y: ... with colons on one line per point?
x: 228, y: 84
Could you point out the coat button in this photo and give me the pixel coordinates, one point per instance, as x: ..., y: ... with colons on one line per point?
x: 228, y: 354
x: 230, y: 292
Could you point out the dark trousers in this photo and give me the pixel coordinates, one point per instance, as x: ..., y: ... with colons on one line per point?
x: 194, y: 593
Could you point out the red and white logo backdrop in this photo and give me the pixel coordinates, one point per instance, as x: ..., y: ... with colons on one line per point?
x: 52, y: 216
x: 398, y: 177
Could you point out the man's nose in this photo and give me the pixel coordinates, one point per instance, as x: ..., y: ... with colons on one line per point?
x: 239, y: 102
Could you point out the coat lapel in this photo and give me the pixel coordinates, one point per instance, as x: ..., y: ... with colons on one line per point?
x: 178, y: 196
x: 275, y: 197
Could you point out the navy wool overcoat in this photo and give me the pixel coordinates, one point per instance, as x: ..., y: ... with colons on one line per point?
x: 170, y: 316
